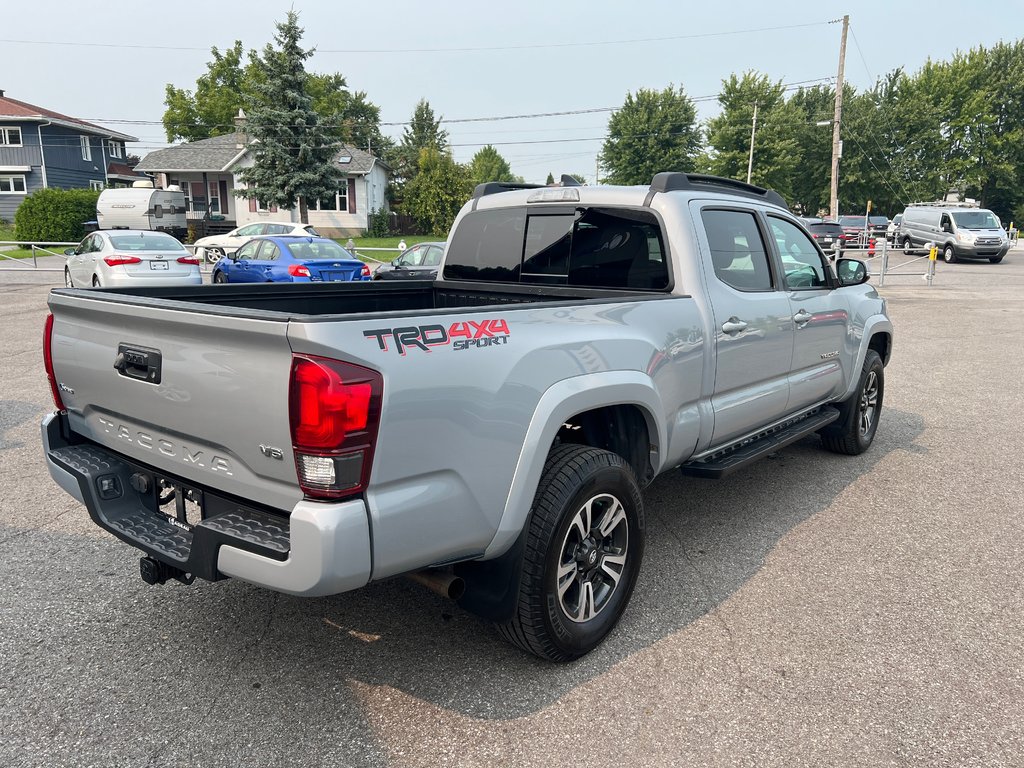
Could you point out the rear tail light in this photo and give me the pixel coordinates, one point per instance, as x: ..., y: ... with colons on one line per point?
x: 366, y: 270
x: 188, y: 260
x: 117, y: 259
x: 48, y: 363
x: 334, y: 410
x: 298, y: 270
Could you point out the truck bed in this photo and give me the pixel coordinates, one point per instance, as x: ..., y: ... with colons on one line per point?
x: 305, y: 301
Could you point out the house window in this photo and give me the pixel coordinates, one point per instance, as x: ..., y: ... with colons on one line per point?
x: 214, y: 197
x: 97, y: 185
x: 86, y: 148
x: 114, y: 148
x: 338, y: 203
x: 10, y: 137
x: 12, y: 185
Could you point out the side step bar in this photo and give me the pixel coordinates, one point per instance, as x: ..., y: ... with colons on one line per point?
x: 726, y: 461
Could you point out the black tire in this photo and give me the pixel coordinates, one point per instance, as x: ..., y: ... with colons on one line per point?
x: 949, y: 254
x: 908, y: 245
x: 220, y: 277
x: 96, y: 281
x: 578, y: 484
x: 995, y: 259
x: 68, y: 280
x: 854, y: 430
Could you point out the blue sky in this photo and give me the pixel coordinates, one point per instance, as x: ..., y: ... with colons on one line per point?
x: 529, y: 57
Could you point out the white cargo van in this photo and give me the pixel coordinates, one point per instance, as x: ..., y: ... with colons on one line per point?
x: 958, y: 231
x: 160, y: 210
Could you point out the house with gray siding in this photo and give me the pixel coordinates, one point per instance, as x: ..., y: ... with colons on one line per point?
x: 207, y: 172
x: 40, y: 148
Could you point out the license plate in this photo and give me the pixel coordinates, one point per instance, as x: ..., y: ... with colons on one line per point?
x: 827, y: 240
x: 158, y: 265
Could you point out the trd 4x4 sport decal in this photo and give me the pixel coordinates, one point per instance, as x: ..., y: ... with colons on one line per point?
x: 462, y: 335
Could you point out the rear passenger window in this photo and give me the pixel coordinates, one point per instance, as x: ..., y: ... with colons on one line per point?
x: 581, y: 247
x: 737, y: 250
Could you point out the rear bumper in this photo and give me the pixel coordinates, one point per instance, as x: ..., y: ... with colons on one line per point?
x: 319, y: 549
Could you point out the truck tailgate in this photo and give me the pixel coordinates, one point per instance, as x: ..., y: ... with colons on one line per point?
x: 200, y: 396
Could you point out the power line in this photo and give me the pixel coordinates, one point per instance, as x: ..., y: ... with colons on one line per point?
x: 476, y: 49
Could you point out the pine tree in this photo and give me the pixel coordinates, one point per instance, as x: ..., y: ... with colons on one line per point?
x: 293, y: 150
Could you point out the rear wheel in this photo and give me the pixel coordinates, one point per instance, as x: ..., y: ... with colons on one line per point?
x: 584, y: 545
x: 220, y: 277
x: 908, y: 246
x: 854, y: 430
x: 949, y: 255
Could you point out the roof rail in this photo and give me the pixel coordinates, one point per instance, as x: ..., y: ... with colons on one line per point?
x: 494, y: 187
x: 671, y: 181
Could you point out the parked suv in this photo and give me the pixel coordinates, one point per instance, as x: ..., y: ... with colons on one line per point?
x: 829, y: 236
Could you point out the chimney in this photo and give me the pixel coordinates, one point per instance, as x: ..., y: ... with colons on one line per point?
x: 241, y: 137
x: 1, y: 94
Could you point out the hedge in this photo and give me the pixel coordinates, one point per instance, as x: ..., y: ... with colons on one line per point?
x: 55, y: 215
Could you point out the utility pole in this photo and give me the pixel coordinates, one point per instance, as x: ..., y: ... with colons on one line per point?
x: 597, y: 171
x: 834, y: 197
x: 750, y: 162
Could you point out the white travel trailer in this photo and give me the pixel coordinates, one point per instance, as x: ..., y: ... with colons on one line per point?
x: 160, y: 210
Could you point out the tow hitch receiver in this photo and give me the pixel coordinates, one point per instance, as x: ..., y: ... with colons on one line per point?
x: 155, y: 572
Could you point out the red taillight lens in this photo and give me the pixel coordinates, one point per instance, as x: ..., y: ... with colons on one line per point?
x: 298, y: 270
x: 188, y: 260
x: 117, y: 259
x: 366, y: 270
x: 48, y: 363
x: 334, y: 409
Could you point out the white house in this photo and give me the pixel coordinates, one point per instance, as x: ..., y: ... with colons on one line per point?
x: 207, y: 171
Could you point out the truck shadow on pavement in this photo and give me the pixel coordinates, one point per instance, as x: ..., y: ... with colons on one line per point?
x: 705, y: 540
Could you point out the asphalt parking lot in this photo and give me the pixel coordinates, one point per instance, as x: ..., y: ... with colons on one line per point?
x: 814, y: 610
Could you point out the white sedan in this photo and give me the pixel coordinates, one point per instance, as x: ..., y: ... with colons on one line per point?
x: 117, y: 257
x: 216, y: 247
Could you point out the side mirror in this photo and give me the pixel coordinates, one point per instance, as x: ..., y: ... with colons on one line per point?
x: 851, y: 272
x: 69, y: 251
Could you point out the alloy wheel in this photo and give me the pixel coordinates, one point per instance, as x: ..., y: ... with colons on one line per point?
x: 593, y: 557
x: 868, y: 403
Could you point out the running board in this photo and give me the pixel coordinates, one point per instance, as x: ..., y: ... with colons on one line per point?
x: 726, y: 461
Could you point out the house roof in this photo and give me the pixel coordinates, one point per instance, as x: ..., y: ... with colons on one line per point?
x: 123, y: 170
x: 220, y: 152
x: 203, y: 155
x: 13, y: 109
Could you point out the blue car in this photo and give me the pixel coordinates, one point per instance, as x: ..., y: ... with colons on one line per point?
x: 290, y: 259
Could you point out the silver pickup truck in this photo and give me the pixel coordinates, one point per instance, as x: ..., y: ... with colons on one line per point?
x: 489, y: 431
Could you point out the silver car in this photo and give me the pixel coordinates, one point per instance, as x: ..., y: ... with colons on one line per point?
x: 130, y: 257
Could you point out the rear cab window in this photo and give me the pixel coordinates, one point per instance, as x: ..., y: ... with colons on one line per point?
x: 583, y: 247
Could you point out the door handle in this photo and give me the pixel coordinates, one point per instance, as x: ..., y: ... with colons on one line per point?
x: 733, y: 325
x: 801, y: 317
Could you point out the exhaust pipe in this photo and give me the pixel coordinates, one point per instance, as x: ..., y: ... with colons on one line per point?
x: 445, y: 584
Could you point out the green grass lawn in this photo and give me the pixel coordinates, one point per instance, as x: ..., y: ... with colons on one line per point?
x: 7, y: 233
x: 385, y: 242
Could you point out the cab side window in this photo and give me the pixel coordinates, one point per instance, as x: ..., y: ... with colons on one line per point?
x: 738, y: 253
x: 802, y: 264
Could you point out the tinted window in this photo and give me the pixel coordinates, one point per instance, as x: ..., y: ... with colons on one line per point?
x: 146, y: 241
x: 737, y: 250
x: 591, y: 247
x: 325, y: 249
x: 433, y: 257
x: 801, y: 263
x: 313, y: 232
x: 487, y: 245
x: 825, y: 229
